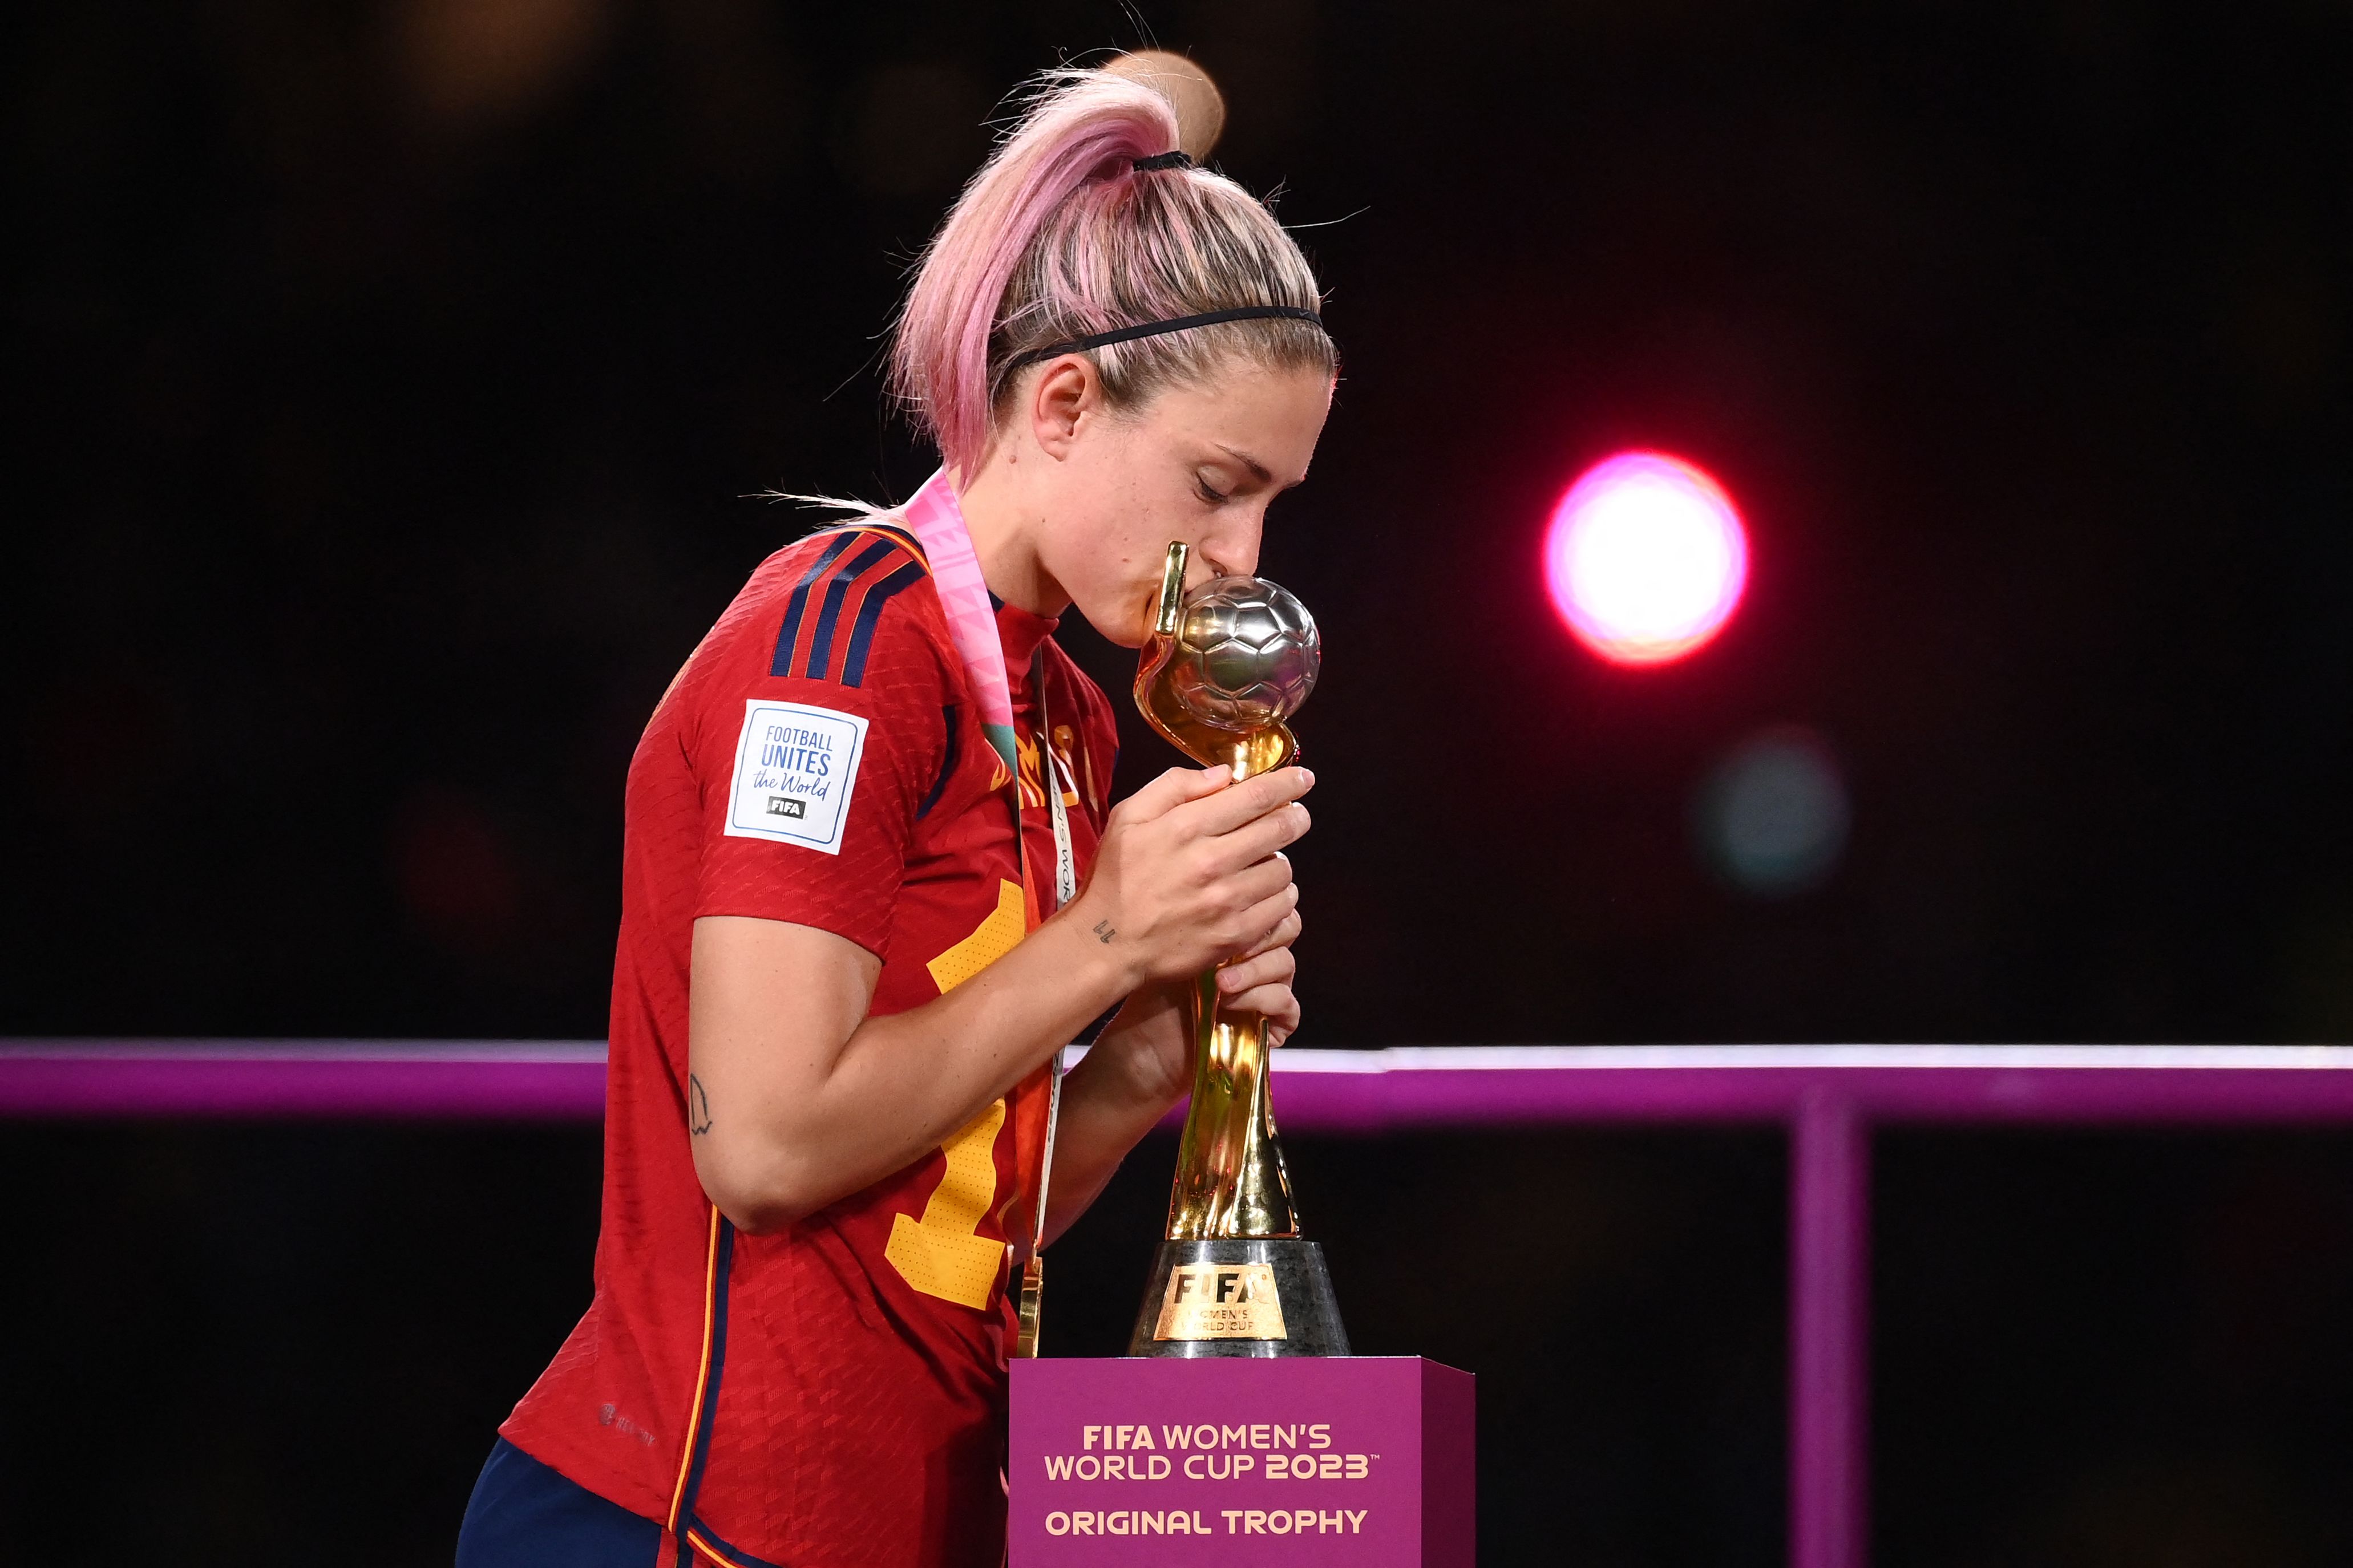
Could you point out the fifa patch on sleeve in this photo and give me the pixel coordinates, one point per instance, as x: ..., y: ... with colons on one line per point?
x: 794, y: 769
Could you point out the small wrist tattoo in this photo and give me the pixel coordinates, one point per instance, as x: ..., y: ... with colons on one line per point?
x: 1105, y: 932
x: 698, y: 1107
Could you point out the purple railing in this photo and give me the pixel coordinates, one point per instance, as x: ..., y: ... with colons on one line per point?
x: 1830, y: 1098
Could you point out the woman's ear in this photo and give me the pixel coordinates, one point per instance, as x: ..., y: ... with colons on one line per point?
x: 1065, y: 393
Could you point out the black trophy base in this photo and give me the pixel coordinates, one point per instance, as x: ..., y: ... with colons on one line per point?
x: 1218, y: 1306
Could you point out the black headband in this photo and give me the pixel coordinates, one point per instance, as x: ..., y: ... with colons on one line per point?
x: 1175, y: 324
x: 1177, y: 159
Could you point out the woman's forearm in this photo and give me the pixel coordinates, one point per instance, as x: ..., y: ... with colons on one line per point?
x: 1111, y: 1098
x: 773, y: 1145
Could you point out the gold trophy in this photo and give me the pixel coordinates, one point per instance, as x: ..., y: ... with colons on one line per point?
x: 1224, y: 666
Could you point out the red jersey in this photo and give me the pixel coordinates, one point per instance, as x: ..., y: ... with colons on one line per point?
x: 831, y: 1393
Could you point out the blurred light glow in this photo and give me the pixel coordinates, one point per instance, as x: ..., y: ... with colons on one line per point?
x: 1645, y: 558
x: 1773, y: 817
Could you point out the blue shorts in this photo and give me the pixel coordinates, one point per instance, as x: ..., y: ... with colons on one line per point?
x: 524, y: 1515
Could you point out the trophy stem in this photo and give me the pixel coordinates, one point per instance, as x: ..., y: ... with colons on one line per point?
x: 1230, y: 1180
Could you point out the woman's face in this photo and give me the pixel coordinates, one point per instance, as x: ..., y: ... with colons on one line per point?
x: 1197, y: 463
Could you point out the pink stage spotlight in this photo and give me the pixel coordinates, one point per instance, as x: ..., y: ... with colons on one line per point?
x: 1645, y: 558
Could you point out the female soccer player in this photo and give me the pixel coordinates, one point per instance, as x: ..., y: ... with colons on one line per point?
x: 844, y: 973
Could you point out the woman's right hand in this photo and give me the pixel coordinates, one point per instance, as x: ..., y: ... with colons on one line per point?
x: 1191, y: 871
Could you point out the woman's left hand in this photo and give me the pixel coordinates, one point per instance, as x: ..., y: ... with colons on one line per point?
x: 1149, y: 1042
x: 1259, y: 981
x: 1141, y: 1065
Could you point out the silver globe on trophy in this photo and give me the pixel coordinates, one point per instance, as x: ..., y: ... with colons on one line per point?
x: 1224, y: 667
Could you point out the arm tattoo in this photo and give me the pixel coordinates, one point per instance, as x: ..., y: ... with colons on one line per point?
x: 1105, y: 932
x: 698, y: 1107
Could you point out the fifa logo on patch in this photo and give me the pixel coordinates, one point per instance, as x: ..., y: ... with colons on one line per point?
x: 782, y: 806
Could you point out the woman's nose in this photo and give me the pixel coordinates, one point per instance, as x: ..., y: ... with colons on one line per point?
x: 1235, y: 548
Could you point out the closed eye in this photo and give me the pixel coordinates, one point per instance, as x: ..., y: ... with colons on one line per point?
x: 1201, y: 487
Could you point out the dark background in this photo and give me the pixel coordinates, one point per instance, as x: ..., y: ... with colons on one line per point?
x: 389, y: 383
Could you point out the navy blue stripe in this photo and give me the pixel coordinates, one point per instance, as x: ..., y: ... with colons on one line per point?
x: 731, y: 1552
x: 820, y: 659
x: 718, y: 1364
x: 783, y: 663
x: 948, y: 768
x: 907, y: 541
x: 861, y: 635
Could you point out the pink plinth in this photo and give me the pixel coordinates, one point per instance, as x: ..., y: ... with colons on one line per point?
x: 1365, y: 1460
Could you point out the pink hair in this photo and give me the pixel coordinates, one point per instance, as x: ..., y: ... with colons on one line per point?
x: 1058, y: 236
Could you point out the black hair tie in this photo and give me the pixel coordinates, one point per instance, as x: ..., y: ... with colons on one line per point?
x: 1177, y: 159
